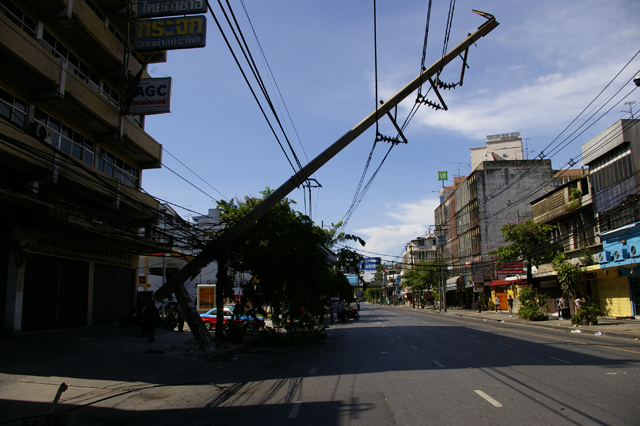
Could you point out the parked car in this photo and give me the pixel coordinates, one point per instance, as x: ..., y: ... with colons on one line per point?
x: 210, y: 318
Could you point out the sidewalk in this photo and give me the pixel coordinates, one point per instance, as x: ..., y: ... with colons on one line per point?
x: 620, y: 328
x: 101, y: 365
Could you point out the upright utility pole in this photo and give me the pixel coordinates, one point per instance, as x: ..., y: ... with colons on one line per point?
x: 213, y: 248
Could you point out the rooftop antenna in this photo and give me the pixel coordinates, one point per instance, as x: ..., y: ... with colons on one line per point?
x: 526, y: 148
x: 630, y: 103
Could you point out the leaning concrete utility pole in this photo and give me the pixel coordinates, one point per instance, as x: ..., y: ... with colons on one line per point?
x: 210, y: 252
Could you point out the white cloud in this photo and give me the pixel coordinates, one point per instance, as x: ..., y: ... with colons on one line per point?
x: 549, y: 102
x: 405, y: 222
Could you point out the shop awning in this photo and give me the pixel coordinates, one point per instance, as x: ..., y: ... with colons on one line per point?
x: 496, y: 283
x: 454, y: 283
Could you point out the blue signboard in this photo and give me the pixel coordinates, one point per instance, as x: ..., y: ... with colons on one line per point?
x: 353, y: 279
x: 371, y: 263
x: 181, y: 32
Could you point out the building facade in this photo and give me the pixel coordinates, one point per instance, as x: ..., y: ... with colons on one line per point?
x: 73, y: 217
x: 494, y: 194
x: 613, y: 158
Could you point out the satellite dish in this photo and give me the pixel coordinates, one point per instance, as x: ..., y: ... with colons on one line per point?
x: 496, y: 157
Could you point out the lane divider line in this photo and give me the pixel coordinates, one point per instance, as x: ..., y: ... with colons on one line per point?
x: 561, y: 360
x: 313, y: 371
x: 295, y: 409
x: 488, y: 398
x: 438, y: 364
x: 411, y: 346
x: 504, y: 344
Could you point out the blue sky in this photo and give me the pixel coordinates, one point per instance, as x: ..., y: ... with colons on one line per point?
x: 533, y: 74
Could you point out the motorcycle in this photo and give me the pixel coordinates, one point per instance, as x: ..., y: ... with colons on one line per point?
x: 352, y: 313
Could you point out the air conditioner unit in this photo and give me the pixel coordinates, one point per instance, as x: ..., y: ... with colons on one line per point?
x: 620, y: 254
x: 604, y: 257
x: 634, y: 250
x: 42, y: 132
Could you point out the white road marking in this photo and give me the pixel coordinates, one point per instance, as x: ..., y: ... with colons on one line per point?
x: 295, y: 409
x: 488, y: 398
x: 509, y: 346
x: 378, y: 323
x: 313, y: 371
x: 561, y: 360
x: 438, y: 364
x: 411, y: 346
x: 471, y: 335
x: 399, y: 337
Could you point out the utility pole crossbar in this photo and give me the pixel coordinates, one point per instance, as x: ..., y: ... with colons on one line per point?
x: 218, y: 245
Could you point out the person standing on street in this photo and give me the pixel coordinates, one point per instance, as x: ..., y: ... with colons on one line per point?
x: 510, y: 304
x: 562, y: 305
x: 333, y: 307
x: 497, y: 302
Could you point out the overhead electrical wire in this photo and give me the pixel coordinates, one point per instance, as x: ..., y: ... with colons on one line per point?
x: 244, y: 75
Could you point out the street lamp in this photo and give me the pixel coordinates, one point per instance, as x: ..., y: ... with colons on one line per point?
x: 636, y: 80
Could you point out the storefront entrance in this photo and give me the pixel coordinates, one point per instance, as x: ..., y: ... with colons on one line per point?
x: 635, y: 297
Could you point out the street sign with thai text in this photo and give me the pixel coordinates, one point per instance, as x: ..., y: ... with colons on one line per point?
x: 155, y: 8
x: 171, y: 33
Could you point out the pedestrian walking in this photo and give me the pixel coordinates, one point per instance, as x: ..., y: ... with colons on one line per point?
x: 510, y: 304
x: 479, y: 303
x: 496, y: 300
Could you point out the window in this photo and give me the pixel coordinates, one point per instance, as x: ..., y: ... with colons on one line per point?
x: 117, y: 168
x: 13, y: 109
x: 59, y: 50
x: 18, y: 17
x: 67, y: 139
x: 97, y: 11
x: 111, y: 94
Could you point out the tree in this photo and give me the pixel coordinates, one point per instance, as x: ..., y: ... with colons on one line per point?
x: 423, y: 276
x: 567, y: 274
x: 529, y: 242
x: 281, y: 253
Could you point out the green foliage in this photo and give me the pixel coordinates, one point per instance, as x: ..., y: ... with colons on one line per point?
x: 587, y: 257
x: 575, y: 198
x: 586, y: 314
x: 528, y: 241
x: 421, y: 277
x: 531, y: 304
x: 280, y: 252
x: 484, y: 300
x: 531, y: 313
x: 568, y: 275
x: 373, y: 294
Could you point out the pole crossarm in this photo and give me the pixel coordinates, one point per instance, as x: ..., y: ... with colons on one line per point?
x: 219, y: 244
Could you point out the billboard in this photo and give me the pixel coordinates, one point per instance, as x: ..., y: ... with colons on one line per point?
x: 371, y: 263
x: 182, y: 32
x: 152, y: 96
x: 353, y: 279
x: 151, y: 8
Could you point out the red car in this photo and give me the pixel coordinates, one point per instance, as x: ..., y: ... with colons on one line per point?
x: 210, y: 318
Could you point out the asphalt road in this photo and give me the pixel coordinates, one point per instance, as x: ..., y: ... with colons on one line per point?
x: 393, y: 367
